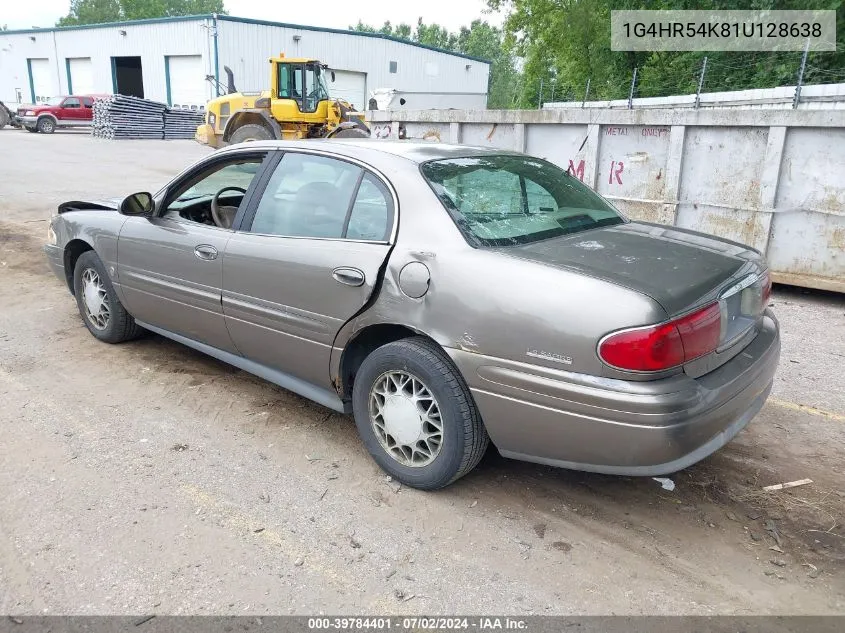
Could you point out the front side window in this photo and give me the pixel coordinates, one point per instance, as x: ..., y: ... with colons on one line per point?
x: 284, y: 81
x: 71, y: 102
x: 319, y: 197
x: 222, y: 186
x: 305, y: 84
x: 507, y: 200
x: 315, y: 88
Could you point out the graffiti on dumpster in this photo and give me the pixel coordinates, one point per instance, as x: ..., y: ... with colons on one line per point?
x: 616, y: 169
x: 578, y: 171
x: 382, y: 131
x: 615, y: 130
x: 658, y: 132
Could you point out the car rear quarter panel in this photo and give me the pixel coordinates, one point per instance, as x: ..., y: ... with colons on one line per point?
x: 482, y: 302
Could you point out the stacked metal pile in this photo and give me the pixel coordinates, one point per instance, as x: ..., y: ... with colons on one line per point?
x: 121, y: 117
x: 182, y: 123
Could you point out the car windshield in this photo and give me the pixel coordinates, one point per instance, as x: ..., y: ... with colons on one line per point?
x: 54, y: 101
x: 507, y: 200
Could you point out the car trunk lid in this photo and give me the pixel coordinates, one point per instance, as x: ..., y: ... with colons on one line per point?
x: 679, y: 269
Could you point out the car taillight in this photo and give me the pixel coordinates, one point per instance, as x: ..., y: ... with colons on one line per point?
x: 767, y: 289
x: 659, y: 347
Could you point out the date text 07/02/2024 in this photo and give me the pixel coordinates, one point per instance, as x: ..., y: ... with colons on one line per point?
x: 416, y: 623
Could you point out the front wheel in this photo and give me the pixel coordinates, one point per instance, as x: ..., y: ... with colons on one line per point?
x: 250, y: 132
x: 46, y: 125
x: 416, y: 416
x: 101, y: 310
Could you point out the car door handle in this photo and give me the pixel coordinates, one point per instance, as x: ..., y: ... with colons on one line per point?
x: 204, y: 251
x: 349, y: 276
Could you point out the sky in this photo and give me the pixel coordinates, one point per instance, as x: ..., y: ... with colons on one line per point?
x: 327, y: 13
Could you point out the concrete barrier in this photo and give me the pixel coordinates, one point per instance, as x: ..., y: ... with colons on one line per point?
x: 772, y: 179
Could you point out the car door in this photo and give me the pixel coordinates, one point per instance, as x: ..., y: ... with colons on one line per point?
x: 70, y: 112
x: 87, y: 112
x: 305, y: 260
x: 170, y: 265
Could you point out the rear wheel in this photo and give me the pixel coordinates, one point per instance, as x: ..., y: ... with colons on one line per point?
x: 416, y: 416
x: 250, y: 132
x: 104, y: 315
x: 46, y: 125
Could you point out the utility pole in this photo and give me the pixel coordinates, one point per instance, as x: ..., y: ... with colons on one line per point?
x: 797, y: 97
x: 586, y: 93
x: 540, y: 96
x: 631, y: 94
x: 700, y: 84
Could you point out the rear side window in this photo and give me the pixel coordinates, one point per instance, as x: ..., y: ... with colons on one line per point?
x: 506, y: 200
x: 320, y: 197
x: 371, y: 212
x: 88, y: 102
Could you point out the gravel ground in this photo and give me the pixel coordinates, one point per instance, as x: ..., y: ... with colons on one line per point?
x: 148, y: 478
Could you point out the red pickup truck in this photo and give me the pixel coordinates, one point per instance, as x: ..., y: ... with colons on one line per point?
x: 58, y: 112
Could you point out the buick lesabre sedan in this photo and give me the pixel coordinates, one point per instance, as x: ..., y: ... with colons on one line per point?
x: 446, y: 296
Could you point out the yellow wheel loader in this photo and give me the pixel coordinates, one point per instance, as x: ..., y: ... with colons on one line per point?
x: 297, y: 106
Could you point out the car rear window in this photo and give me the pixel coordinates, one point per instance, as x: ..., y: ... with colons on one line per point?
x: 507, y: 200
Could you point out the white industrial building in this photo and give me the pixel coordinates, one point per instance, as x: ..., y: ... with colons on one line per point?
x: 179, y: 60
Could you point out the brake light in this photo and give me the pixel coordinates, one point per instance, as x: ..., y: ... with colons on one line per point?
x: 659, y: 347
x: 767, y: 289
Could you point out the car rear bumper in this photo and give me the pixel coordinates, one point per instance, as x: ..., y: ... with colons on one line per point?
x: 619, y: 427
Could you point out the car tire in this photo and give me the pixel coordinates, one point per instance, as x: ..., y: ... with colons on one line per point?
x: 250, y: 132
x: 90, y: 281
x: 463, y: 438
x: 351, y: 132
x: 46, y: 125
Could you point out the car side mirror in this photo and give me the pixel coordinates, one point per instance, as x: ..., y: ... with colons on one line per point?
x: 332, y: 76
x: 138, y: 204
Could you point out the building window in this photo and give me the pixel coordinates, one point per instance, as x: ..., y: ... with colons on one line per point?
x: 393, y: 66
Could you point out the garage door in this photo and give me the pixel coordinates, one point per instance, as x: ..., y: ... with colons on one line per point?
x: 187, y: 80
x: 80, y: 76
x: 41, y: 79
x: 349, y: 85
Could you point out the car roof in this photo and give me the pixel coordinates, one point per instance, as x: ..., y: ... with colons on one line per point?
x: 416, y: 151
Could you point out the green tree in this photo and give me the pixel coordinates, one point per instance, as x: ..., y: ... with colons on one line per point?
x: 100, y: 11
x: 566, y: 42
x: 402, y: 31
x: 479, y: 39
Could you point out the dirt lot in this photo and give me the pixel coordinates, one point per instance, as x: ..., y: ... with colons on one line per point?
x: 148, y: 478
